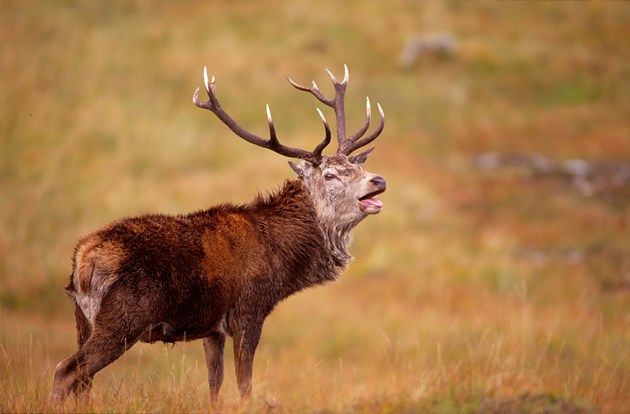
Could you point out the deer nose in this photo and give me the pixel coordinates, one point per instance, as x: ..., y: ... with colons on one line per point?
x: 379, y: 182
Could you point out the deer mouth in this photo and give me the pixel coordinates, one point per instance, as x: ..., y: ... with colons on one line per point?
x: 369, y: 204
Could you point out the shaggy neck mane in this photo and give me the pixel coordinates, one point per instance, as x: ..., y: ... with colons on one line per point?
x: 337, y: 236
x: 293, y: 203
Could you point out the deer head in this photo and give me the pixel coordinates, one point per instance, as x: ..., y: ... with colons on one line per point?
x: 342, y: 192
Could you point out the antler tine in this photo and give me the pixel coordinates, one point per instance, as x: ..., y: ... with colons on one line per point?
x: 273, y: 139
x: 366, y: 125
x: 346, y: 76
x: 272, y: 143
x: 356, y: 143
x: 320, y: 147
x: 313, y: 90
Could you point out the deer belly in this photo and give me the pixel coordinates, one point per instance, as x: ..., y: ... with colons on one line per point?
x: 168, y: 333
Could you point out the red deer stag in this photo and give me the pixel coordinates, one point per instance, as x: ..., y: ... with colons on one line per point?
x: 220, y: 271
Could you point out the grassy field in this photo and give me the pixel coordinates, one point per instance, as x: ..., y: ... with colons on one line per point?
x: 475, y: 290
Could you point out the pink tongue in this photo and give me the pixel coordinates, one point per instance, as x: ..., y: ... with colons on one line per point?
x: 371, y: 202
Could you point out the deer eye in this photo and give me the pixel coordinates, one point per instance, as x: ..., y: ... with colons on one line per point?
x: 329, y: 176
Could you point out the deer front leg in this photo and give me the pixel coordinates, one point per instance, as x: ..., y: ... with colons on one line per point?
x: 245, y: 343
x: 213, y: 346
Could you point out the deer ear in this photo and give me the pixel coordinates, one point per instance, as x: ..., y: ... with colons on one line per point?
x: 302, y: 169
x: 361, y: 157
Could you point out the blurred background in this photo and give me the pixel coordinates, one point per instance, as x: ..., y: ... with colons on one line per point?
x: 497, y: 275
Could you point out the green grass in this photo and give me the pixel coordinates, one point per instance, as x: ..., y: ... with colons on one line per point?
x: 471, y: 292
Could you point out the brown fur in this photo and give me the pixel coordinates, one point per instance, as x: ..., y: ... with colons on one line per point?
x: 205, y: 275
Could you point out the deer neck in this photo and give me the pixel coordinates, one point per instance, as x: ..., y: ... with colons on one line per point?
x: 337, y: 235
x: 294, y: 233
x: 298, y: 222
x: 338, y: 240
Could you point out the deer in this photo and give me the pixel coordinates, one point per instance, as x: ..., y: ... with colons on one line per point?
x: 220, y: 272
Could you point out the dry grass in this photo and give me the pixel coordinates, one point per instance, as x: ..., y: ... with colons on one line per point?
x: 472, y: 292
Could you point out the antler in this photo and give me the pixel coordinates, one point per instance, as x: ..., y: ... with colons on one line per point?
x: 272, y: 143
x: 346, y: 145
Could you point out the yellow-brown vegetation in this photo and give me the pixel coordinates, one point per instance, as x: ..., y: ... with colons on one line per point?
x: 473, y: 291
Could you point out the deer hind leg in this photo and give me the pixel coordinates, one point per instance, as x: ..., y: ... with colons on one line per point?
x: 84, y: 328
x: 75, y: 373
x: 84, y: 331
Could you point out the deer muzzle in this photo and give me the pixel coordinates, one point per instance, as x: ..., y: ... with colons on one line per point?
x: 368, y: 203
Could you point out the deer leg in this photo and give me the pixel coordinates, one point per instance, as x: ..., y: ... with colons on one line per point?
x: 84, y: 331
x: 213, y: 346
x: 245, y: 343
x: 75, y: 373
x: 64, y: 381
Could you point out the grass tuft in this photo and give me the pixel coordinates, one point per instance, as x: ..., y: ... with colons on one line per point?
x: 473, y: 292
